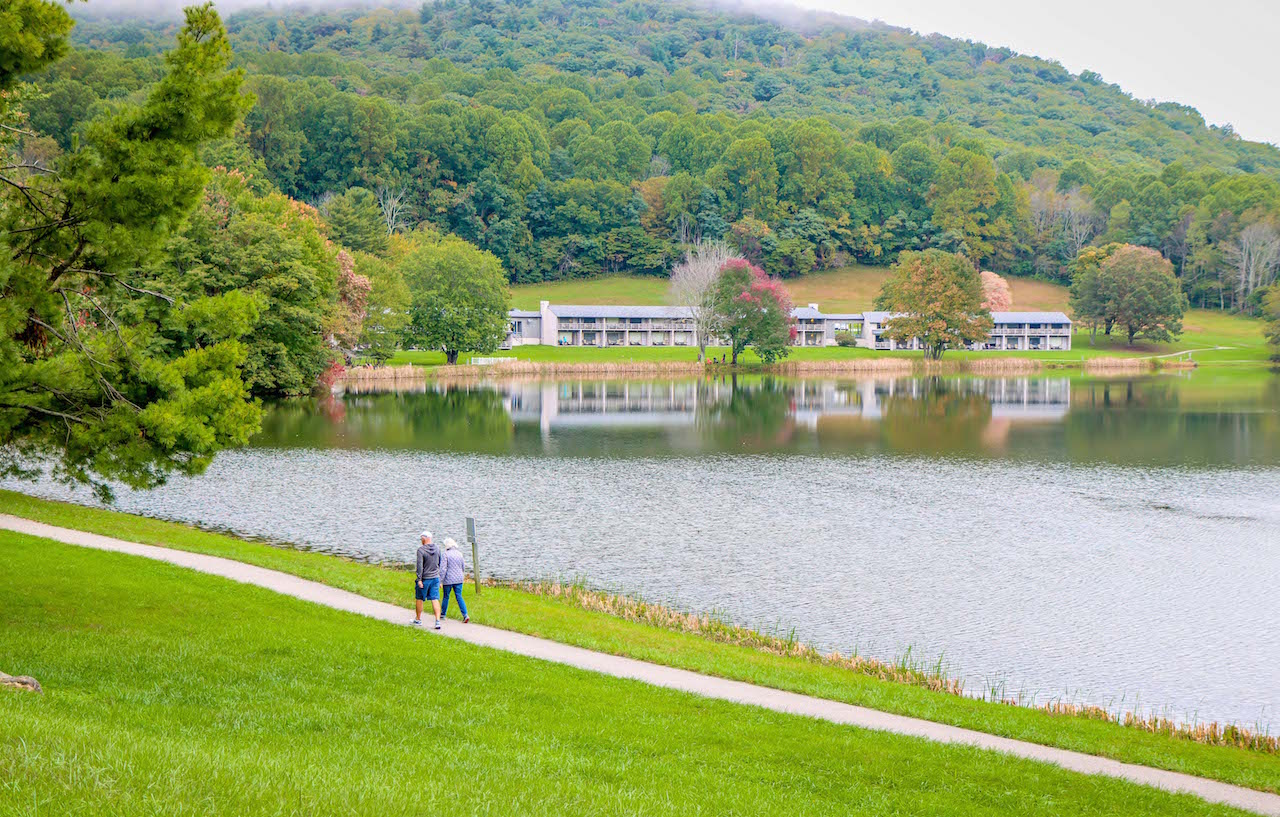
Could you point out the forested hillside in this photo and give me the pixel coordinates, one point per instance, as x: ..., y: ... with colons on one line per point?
x: 588, y: 136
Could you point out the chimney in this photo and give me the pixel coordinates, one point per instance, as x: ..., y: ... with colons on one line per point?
x: 814, y: 307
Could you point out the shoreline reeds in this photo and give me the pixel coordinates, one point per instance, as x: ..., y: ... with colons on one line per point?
x: 381, y: 378
x: 1119, y: 365
x: 904, y: 670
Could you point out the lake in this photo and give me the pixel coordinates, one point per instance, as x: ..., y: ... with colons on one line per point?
x: 1114, y: 542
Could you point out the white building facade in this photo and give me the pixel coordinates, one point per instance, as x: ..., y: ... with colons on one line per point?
x: 607, y: 326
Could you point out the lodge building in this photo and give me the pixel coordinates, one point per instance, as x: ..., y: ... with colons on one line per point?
x: 624, y: 326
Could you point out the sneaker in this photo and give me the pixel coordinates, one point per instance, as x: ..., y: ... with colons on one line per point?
x: 466, y: 620
x: 417, y: 622
x: 437, y: 625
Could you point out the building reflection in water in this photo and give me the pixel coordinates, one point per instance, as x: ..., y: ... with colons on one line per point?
x: 808, y: 403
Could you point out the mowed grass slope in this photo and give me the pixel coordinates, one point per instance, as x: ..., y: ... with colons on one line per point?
x: 171, y: 692
x: 848, y: 289
x: 557, y: 620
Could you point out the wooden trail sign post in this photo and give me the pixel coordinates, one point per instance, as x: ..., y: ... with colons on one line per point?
x: 475, y: 552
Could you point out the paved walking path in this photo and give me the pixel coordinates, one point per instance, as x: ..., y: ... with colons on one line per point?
x: 683, y: 680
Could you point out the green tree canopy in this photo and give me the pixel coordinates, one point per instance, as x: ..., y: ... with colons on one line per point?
x: 355, y: 221
x: 459, y: 296
x: 272, y: 249
x: 1142, y: 294
x: 935, y: 296
x: 98, y: 373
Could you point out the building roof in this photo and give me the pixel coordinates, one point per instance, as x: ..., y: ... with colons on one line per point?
x: 606, y: 311
x: 998, y: 317
x: 1029, y: 317
x: 806, y: 313
x: 524, y: 313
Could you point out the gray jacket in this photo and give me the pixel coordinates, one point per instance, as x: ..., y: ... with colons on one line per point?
x: 453, y: 567
x: 427, y: 562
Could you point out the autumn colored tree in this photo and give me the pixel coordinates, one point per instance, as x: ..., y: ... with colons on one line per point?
x: 346, y: 324
x: 937, y: 297
x: 752, y: 309
x: 996, y: 295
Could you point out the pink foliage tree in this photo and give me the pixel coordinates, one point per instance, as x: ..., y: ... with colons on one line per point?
x: 347, y: 322
x: 996, y: 295
x: 752, y: 309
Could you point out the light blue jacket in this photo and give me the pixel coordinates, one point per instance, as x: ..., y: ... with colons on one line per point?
x: 452, y: 567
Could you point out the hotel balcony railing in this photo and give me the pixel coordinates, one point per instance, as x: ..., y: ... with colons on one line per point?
x: 1010, y: 330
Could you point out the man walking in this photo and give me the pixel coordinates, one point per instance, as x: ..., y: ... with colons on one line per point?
x: 452, y: 574
x: 426, y: 568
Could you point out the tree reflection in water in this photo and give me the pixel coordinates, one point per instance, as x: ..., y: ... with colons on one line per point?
x: 1194, y: 420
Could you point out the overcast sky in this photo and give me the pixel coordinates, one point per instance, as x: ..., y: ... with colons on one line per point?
x: 1218, y: 56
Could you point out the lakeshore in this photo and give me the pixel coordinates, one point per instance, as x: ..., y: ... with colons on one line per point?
x: 309, y: 715
x: 553, y: 616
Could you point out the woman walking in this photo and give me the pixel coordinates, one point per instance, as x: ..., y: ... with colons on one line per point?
x: 453, y: 573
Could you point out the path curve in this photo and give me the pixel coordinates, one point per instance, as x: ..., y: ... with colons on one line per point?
x: 658, y: 675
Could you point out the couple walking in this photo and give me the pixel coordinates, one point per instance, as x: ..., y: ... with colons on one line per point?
x: 434, y: 568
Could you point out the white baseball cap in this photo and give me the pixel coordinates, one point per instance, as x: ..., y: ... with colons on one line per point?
x: 426, y: 534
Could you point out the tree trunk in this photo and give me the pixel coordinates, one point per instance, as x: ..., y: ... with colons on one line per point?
x: 1110, y: 323
x: 735, y: 354
x: 1132, y: 332
x: 451, y: 357
x: 702, y: 353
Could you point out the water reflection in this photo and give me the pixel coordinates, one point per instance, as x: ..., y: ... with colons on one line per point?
x: 1144, y: 421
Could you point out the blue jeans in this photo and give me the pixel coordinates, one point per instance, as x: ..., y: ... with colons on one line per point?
x: 457, y: 594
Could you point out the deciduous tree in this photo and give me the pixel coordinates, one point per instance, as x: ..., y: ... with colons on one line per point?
x: 693, y: 284
x: 459, y: 296
x: 752, y: 309
x: 1142, y: 294
x: 937, y: 297
x: 996, y: 295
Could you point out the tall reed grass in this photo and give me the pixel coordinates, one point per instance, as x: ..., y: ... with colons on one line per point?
x: 1119, y: 365
x: 381, y: 378
x: 905, y: 670
x: 887, y: 365
x: 1002, y: 365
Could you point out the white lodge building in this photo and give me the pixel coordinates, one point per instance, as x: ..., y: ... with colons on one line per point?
x: 619, y: 326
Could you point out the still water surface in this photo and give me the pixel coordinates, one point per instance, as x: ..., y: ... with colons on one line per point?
x: 1113, y: 542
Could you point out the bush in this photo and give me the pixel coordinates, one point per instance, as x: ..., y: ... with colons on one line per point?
x: 846, y: 338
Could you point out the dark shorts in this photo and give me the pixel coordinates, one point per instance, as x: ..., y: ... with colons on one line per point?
x: 429, y: 591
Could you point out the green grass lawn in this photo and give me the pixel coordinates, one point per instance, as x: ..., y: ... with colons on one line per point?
x: 613, y: 290
x: 848, y: 289
x: 171, y: 692
x: 560, y: 621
